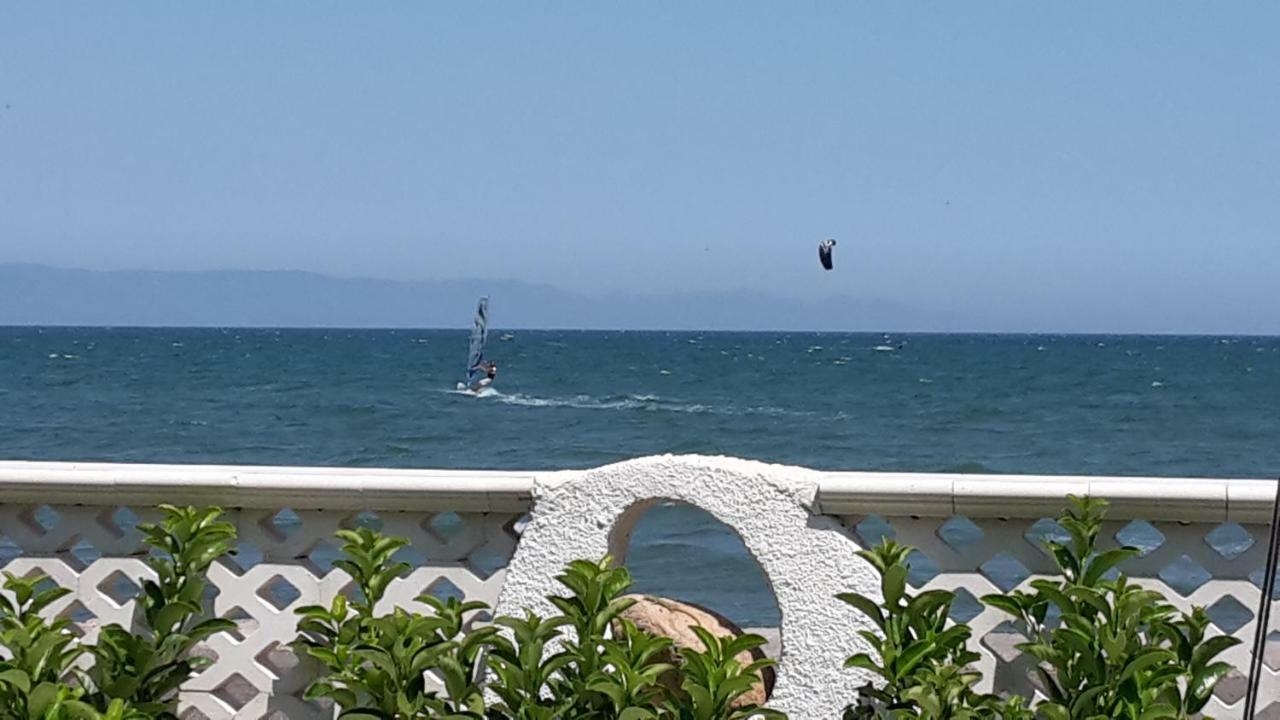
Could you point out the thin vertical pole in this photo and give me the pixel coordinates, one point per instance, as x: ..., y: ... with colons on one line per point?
x: 1264, y: 613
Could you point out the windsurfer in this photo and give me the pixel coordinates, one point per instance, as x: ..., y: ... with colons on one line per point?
x: 490, y: 370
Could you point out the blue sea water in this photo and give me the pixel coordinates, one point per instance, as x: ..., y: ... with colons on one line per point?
x: 1119, y: 405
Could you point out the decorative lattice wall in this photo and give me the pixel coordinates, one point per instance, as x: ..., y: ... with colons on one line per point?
x: 86, y: 539
x: 1215, y: 566
x: 284, y: 560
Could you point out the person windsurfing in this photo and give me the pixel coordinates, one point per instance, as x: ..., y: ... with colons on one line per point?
x: 490, y: 369
x: 480, y: 372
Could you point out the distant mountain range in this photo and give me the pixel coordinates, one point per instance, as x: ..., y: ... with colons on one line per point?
x: 42, y: 295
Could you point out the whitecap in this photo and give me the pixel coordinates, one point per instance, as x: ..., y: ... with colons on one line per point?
x: 883, y: 348
x: 1157, y: 384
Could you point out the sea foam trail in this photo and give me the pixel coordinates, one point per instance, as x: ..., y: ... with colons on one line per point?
x: 642, y: 403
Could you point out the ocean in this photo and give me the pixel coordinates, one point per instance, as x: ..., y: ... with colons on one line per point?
x: 1115, y: 405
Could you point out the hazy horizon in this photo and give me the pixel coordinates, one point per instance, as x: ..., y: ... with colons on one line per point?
x: 42, y: 295
x: 1047, y: 168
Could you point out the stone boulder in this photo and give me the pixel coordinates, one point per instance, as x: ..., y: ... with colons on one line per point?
x: 673, y: 619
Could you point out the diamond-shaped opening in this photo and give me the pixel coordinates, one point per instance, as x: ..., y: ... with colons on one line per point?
x: 246, y: 624
x: 1184, y: 575
x: 46, y: 583
x: 352, y: 592
x: 920, y: 568
x: 79, y: 615
x: 486, y: 561
x: 242, y: 558
x: 1256, y: 578
x: 42, y: 519
x: 82, y: 553
x: 445, y: 526
x: 125, y: 520
x: 209, y: 597
x: 873, y: 528
x: 965, y: 607
x: 1270, y: 712
x: 1004, y: 571
x: 959, y: 532
x: 279, y: 592
x: 410, y: 554
x: 1232, y: 687
x: 1230, y: 540
x: 119, y: 587
x: 1043, y: 531
x: 321, y: 556
x: 235, y: 691
x: 192, y: 713
x: 283, y: 524
x: 1271, y: 656
x: 477, y: 619
x: 9, y: 550
x: 278, y: 660
x: 1229, y: 614
x: 204, y: 651
x: 515, y: 527
x: 444, y: 589
x: 1142, y: 535
x: 1003, y: 641
x: 365, y: 519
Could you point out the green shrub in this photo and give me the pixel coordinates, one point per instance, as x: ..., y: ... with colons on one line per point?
x: 42, y: 655
x: 605, y: 669
x: 1114, y: 650
x: 921, y: 660
x: 1117, y: 651
x: 144, y: 668
x: 135, y: 675
x: 375, y: 666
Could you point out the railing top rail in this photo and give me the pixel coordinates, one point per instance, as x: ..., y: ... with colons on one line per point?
x: 840, y: 493
x: 1036, y: 496
x: 381, y: 489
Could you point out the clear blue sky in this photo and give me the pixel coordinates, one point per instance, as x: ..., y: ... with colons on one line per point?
x: 1029, y: 165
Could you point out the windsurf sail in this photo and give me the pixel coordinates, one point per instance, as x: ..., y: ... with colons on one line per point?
x: 479, y: 334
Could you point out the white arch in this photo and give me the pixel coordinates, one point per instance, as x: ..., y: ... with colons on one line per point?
x: 807, y: 558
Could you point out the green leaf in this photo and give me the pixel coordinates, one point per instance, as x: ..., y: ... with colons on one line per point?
x: 17, y: 679
x: 1145, y: 660
x: 1160, y: 711
x: 1202, y: 683
x: 1104, y: 561
x: 1211, y: 648
x: 893, y: 585
x: 866, y: 606
x: 863, y: 661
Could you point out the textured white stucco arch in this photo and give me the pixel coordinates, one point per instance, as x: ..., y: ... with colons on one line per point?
x: 806, y: 558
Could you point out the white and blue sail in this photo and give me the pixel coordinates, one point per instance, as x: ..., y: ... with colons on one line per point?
x: 475, y: 353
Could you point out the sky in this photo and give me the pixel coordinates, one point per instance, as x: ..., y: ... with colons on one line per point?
x: 1033, y: 166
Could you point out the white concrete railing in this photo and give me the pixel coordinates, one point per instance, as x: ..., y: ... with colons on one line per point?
x: 976, y: 534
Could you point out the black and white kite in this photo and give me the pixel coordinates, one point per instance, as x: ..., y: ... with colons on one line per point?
x: 824, y: 253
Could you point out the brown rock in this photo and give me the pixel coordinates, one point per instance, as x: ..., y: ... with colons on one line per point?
x: 672, y: 619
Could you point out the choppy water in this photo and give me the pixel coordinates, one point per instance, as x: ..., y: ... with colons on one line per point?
x: 963, y: 403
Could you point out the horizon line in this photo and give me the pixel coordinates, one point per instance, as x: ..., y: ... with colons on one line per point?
x: 462, y: 329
